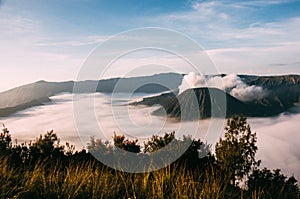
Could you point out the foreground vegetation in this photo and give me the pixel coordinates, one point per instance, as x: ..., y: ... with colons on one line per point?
x: 46, y: 169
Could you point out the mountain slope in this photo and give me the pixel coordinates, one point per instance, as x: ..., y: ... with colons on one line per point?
x: 37, y: 93
x: 144, y: 84
x: 201, y: 103
x: 282, y: 92
x: 157, y: 100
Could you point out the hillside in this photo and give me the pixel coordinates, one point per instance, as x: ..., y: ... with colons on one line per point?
x: 37, y: 93
x: 30, y: 95
x: 197, y: 103
x: 282, y: 92
x: 158, y: 99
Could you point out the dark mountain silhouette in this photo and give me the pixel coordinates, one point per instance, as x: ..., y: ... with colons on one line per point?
x: 30, y: 95
x: 271, y: 82
x: 282, y: 92
x: 202, y: 103
x: 146, y: 84
x: 197, y: 103
x: 158, y: 99
x: 9, y: 110
x: 38, y: 93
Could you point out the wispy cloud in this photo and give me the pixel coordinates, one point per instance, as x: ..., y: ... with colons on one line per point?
x: 29, y: 53
x: 258, y: 60
x: 17, y: 24
x: 221, y: 23
x: 259, y: 3
x: 82, y: 41
x: 212, y: 5
x: 237, y: 43
x: 235, y: 33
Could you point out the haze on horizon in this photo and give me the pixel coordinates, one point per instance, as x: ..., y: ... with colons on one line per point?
x: 49, y: 40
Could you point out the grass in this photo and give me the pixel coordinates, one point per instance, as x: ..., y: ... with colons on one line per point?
x: 84, y: 181
x: 47, y: 170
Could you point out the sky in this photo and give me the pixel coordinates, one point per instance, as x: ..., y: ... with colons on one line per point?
x: 50, y: 40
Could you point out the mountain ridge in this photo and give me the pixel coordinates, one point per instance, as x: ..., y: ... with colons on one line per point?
x: 282, y: 92
x: 35, y: 94
x: 284, y: 89
x: 196, y: 103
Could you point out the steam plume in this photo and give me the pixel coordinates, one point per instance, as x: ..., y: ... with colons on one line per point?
x: 230, y: 83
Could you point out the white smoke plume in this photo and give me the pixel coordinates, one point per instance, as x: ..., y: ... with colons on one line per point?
x: 191, y: 80
x: 230, y: 83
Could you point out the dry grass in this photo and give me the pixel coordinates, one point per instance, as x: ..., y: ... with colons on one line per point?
x: 84, y: 181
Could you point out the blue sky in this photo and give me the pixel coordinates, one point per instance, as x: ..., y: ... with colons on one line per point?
x: 51, y: 39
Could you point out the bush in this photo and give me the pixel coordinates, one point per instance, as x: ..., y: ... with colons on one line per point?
x: 46, y: 169
x: 272, y: 184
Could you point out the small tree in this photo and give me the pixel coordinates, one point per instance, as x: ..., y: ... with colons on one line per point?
x: 5, y: 139
x: 272, y: 184
x: 98, y: 146
x: 46, y: 146
x: 127, y: 145
x: 236, y: 152
x: 158, y: 142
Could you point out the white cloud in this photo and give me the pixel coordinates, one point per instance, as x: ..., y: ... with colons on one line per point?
x: 192, y: 80
x: 214, y: 21
x: 281, y: 59
x: 255, y: 47
x: 259, y: 3
x: 30, y: 54
x: 278, y: 137
x: 81, y: 41
x: 278, y: 142
x: 230, y: 83
x: 238, y: 44
x: 135, y: 122
x: 17, y: 24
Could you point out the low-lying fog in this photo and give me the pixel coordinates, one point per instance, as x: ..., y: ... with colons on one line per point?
x: 278, y: 137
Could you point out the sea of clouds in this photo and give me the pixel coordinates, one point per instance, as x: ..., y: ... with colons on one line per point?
x: 278, y: 137
x: 111, y: 114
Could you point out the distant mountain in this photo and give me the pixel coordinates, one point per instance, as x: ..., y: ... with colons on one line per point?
x: 30, y: 95
x: 160, y: 99
x: 9, y: 110
x: 282, y: 93
x: 271, y: 82
x: 38, y: 93
x: 197, y: 103
x: 146, y: 84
